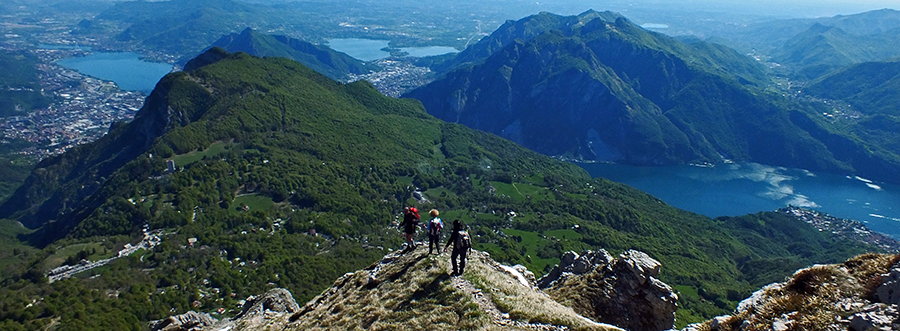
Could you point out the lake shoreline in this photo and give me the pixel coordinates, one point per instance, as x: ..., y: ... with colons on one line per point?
x: 128, y: 70
x: 738, y: 189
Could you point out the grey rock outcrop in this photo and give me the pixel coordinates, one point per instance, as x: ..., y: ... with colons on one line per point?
x: 529, y: 276
x: 572, y: 263
x: 190, y: 321
x: 257, y: 313
x: 276, y: 300
x: 889, y: 291
x: 624, y: 292
x: 879, y: 317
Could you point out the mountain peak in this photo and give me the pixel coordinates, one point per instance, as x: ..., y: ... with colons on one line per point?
x: 211, y: 56
x: 331, y: 63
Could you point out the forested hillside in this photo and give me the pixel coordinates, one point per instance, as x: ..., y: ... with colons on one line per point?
x: 612, y: 91
x: 286, y: 178
x: 181, y: 27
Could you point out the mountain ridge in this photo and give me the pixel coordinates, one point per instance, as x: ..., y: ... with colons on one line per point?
x: 566, y: 94
x: 333, y: 64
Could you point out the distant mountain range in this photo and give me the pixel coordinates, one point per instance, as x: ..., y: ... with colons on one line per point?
x: 323, y: 59
x: 181, y: 27
x: 811, y: 48
x: 872, y: 87
x: 598, y: 87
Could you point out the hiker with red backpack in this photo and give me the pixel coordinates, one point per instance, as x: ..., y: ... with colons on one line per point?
x: 410, y: 222
x: 435, y: 225
x: 462, y: 243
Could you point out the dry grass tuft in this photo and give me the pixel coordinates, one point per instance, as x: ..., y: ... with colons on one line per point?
x: 809, y: 298
x: 413, y: 292
x: 868, y: 268
x: 811, y: 281
x: 523, y: 303
x: 894, y: 259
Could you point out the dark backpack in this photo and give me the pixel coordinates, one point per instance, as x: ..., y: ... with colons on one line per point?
x: 463, y: 241
x: 434, y: 228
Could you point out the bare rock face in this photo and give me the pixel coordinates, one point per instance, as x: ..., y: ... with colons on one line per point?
x: 623, y: 292
x: 889, y: 291
x: 258, y: 313
x: 572, y: 263
x: 190, y: 321
x: 276, y: 300
x: 879, y: 316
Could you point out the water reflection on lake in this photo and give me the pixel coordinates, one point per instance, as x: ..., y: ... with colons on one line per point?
x: 739, y: 189
x: 361, y: 49
x: 127, y: 70
x: 428, y: 51
x: 371, y: 49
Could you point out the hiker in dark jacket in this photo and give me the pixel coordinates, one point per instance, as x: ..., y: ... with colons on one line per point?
x: 410, y: 222
x: 435, y: 225
x: 461, y: 242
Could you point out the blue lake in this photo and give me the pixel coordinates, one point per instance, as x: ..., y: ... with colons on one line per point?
x: 125, y: 69
x: 740, y: 189
x: 371, y: 49
x: 361, y: 49
x: 428, y: 51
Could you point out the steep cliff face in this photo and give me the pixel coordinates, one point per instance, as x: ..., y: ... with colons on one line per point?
x: 623, y: 292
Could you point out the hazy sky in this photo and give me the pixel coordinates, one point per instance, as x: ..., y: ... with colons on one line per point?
x: 802, y: 8
x: 778, y: 8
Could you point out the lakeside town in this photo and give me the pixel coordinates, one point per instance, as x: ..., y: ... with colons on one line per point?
x: 82, y: 110
x: 845, y: 229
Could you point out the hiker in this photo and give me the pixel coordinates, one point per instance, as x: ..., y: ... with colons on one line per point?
x: 462, y: 243
x: 410, y: 222
x: 434, y: 231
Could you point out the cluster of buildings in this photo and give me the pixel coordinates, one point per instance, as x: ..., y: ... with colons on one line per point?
x: 150, y: 240
x: 844, y: 228
x: 82, y: 110
x: 396, y: 78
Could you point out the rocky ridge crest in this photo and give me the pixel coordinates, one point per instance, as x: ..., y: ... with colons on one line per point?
x: 414, y: 291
